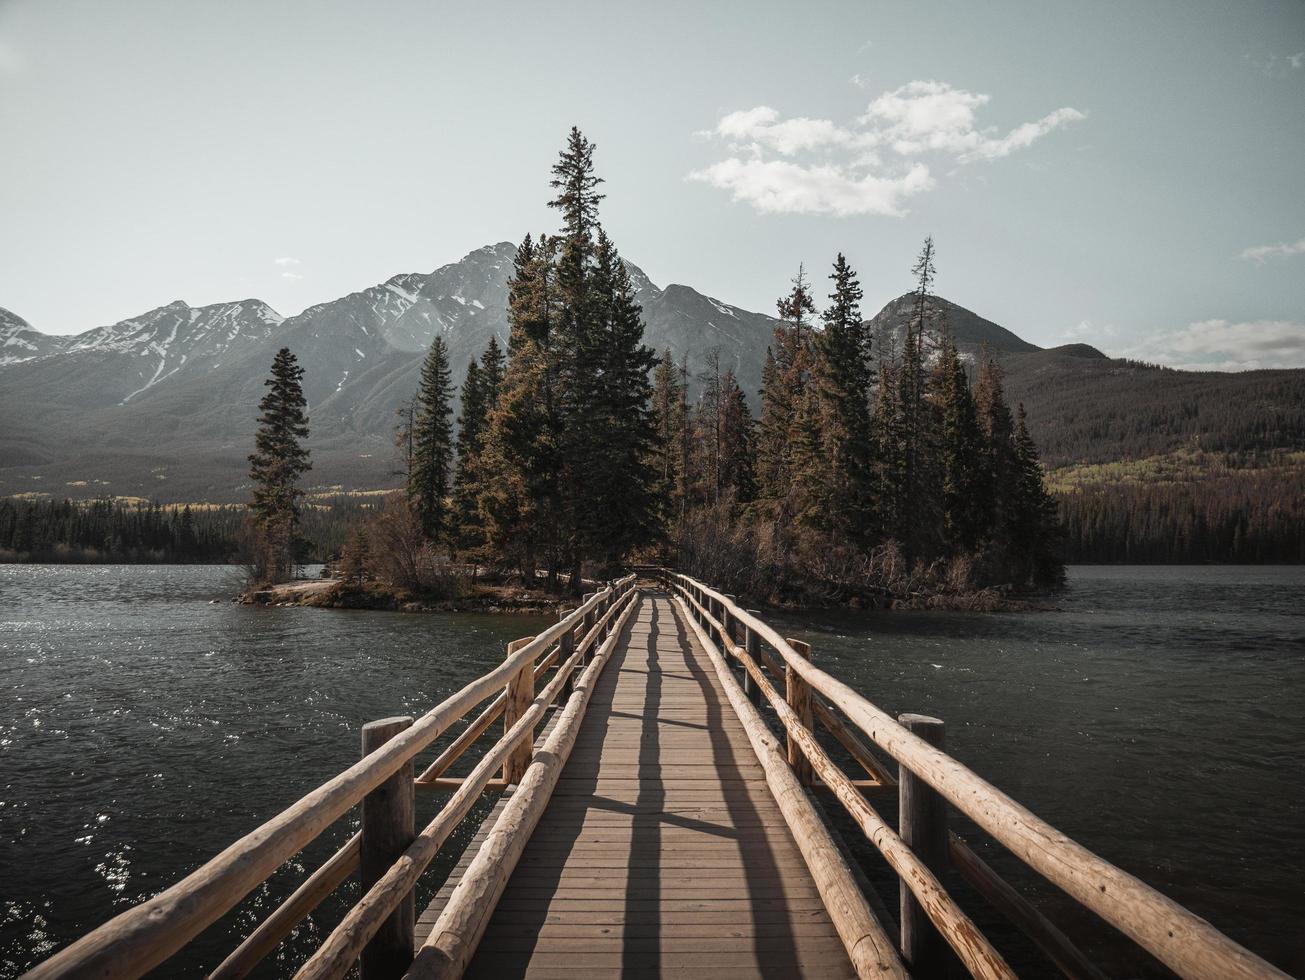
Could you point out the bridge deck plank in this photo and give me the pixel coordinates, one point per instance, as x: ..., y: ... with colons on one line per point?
x: 661, y: 852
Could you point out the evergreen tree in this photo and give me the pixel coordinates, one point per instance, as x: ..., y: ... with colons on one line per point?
x: 479, y: 396
x: 518, y: 498
x: 354, y: 558
x: 1035, y: 520
x: 276, y: 465
x: 621, y: 482
x: 904, y: 458
x: 958, y: 443
x: 667, y: 395
x: 737, y: 462
x: 842, y: 486
x: 491, y: 371
x: 998, y: 446
x: 784, y: 382
x: 428, y: 486
x: 471, y: 422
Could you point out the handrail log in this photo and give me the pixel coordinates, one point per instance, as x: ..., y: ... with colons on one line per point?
x: 978, y: 955
x: 141, y: 938
x: 336, y: 955
x: 452, y: 941
x: 871, y: 950
x: 1179, y: 938
x: 269, y: 933
x: 1019, y: 910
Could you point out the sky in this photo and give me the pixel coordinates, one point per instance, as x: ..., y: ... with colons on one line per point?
x: 1125, y: 174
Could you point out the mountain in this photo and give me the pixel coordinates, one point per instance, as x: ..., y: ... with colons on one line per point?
x: 972, y: 332
x: 19, y: 342
x: 163, y: 404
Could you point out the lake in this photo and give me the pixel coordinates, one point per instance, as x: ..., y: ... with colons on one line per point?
x: 1156, y: 715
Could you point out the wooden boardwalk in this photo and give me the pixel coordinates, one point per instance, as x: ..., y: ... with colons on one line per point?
x: 661, y: 852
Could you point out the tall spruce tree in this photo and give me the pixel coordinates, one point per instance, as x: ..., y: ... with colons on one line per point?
x: 965, y: 493
x: 999, y: 467
x: 842, y: 490
x: 621, y: 479
x: 276, y: 465
x: 472, y: 419
x: 428, y: 485
x: 784, y: 382
x: 479, y: 397
x: 519, y: 495
x: 903, y: 453
x: 1035, y: 521
x: 737, y: 460
x: 666, y: 449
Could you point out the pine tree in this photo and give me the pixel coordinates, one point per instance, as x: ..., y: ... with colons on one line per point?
x: 1035, y: 520
x: 518, y: 498
x: 491, y: 371
x: 354, y: 557
x: 276, y: 465
x: 471, y: 422
x: 998, y: 447
x: 479, y: 396
x: 737, y: 462
x: 904, y: 454
x: 965, y: 494
x: 666, y: 449
x: 428, y: 487
x: 843, y: 490
x: 621, y: 481
x: 783, y: 388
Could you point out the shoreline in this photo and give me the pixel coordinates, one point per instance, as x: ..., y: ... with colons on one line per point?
x: 498, y: 599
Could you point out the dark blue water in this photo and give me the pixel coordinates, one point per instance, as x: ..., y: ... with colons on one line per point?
x: 1155, y: 714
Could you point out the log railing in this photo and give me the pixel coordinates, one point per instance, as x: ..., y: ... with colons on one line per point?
x: 373, y: 929
x: 806, y: 699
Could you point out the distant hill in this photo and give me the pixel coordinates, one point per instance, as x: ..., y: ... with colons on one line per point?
x: 163, y: 404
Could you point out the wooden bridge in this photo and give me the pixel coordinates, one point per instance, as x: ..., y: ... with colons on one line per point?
x: 659, y: 776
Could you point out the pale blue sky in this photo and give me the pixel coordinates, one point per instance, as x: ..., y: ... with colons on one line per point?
x: 160, y: 149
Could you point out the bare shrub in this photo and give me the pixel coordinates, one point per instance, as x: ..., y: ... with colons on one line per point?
x: 399, y: 555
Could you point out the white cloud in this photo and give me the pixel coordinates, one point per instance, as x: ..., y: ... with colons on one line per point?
x: 924, y: 116
x: 777, y: 186
x: 870, y: 166
x: 1296, y: 60
x: 291, y: 275
x: 1261, y: 252
x: 286, y: 260
x: 1218, y: 345
x: 762, y: 127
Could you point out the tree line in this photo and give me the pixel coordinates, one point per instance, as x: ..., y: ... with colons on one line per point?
x: 1252, y: 516
x: 127, y: 532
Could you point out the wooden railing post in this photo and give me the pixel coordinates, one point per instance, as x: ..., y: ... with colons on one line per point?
x: 798, y: 696
x: 589, y: 625
x: 565, y: 647
x: 923, y: 828
x: 751, y: 643
x: 389, y: 826
x: 520, y: 692
x: 727, y: 621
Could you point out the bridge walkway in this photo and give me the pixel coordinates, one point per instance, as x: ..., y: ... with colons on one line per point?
x: 661, y: 852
